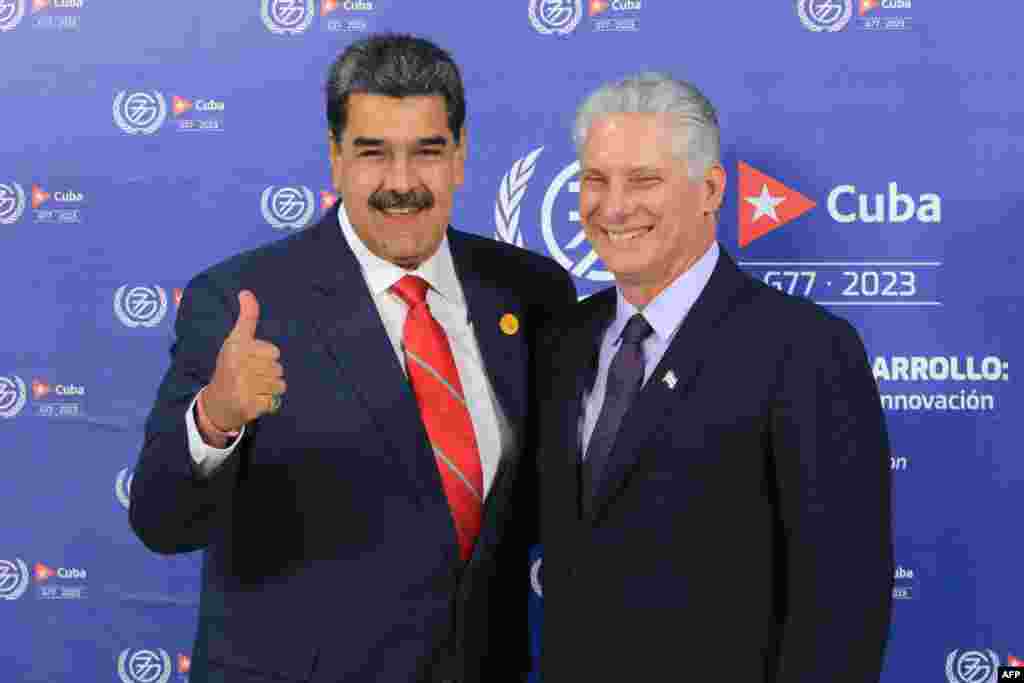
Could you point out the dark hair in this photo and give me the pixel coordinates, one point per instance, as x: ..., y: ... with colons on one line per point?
x: 396, y: 65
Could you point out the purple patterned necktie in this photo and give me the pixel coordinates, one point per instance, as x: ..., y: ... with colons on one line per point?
x: 625, y: 378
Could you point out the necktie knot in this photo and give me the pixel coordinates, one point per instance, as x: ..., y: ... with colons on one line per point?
x: 412, y: 290
x: 637, y: 330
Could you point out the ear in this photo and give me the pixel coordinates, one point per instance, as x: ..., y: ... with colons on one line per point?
x: 460, y: 157
x: 334, y: 157
x: 713, y: 189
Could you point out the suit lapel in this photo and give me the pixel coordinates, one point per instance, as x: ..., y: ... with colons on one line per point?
x: 503, y: 348
x: 353, y: 335
x: 505, y: 363
x: 578, y: 358
x: 684, y: 359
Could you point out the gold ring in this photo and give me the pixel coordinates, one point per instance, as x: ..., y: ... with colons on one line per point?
x: 275, y: 402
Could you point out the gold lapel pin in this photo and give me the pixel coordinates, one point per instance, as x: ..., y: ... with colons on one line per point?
x: 509, y: 324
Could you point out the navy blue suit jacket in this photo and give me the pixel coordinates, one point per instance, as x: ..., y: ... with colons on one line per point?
x: 330, y: 552
x: 741, y: 530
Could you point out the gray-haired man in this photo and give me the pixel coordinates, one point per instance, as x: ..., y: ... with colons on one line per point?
x: 713, y: 456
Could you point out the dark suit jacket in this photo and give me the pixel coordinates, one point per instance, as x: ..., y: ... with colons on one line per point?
x: 741, y: 531
x: 330, y: 550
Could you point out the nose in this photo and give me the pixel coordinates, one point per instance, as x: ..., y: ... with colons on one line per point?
x: 616, y: 204
x: 400, y: 174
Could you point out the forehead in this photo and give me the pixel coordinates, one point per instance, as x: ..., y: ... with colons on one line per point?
x: 396, y: 118
x: 629, y: 139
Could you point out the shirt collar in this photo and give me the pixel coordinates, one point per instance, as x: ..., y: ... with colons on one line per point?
x: 666, y: 312
x: 438, y: 270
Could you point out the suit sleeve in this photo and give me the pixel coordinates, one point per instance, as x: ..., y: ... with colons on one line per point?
x: 206, y: 458
x: 831, y: 454
x: 173, y: 508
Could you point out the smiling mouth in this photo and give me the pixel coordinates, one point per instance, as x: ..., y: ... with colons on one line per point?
x: 405, y: 211
x: 620, y: 236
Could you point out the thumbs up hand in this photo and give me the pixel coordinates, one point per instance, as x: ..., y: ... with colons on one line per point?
x: 248, y: 373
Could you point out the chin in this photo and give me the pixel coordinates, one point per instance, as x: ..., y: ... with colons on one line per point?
x: 626, y: 264
x: 410, y: 258
x: 404, y: 257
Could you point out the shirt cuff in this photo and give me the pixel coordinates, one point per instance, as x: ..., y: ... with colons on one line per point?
x: 206, y: 458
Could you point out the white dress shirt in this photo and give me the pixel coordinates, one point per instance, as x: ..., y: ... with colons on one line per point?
x: 494, y: 435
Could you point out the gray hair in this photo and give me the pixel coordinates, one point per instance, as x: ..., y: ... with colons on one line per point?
x: 696, y: 132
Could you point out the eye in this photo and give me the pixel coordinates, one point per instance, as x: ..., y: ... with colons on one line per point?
x: 369, y: 153
x: 430, y: 152
x: 647, y: 181
x: 593, y: 180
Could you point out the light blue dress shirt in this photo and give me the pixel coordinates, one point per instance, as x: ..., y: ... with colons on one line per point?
x: 665, y: 313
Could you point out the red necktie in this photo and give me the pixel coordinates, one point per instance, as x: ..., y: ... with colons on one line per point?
x: 435, y: 381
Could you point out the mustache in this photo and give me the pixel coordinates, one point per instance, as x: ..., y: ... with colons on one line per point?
x: 416, y: 199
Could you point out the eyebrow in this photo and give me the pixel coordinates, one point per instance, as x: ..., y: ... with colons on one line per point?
x: 437, y: 140
x: 644, y: 170
x: 631, y: 171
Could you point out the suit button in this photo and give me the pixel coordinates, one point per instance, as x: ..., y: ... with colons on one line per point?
x: 572, y: 572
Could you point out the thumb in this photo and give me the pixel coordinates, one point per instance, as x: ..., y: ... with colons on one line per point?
x: 248, y: 315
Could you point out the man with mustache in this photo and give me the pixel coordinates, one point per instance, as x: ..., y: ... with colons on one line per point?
x: 341, y: 423
x: 713, y: 458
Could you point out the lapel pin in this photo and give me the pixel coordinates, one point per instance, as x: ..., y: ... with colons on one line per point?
x: 509, y: 324
x: 670, y: 379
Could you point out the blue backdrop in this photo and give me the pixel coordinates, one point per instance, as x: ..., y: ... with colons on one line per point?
x: 878, y: 141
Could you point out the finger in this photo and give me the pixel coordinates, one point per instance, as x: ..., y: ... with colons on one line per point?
x: 259, y: 403
x: 268, y: 385
x: 258, y: 348
x: 248, y: 316
x: 263, y: 367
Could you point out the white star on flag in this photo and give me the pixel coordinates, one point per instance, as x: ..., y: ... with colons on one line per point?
x: 765, y: 204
